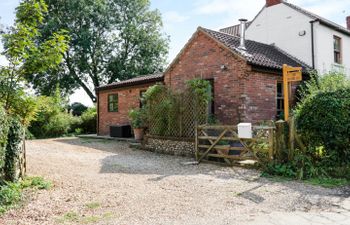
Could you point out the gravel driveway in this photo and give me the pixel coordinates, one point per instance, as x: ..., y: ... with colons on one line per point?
x: 106, y: 182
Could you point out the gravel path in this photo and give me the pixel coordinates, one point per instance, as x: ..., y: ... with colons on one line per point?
x: 106, y: 182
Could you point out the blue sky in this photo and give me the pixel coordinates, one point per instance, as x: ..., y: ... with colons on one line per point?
x: 182, y: 17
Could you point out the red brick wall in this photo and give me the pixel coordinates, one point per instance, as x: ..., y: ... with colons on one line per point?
x: 128, y: 98
x: 240, y: 95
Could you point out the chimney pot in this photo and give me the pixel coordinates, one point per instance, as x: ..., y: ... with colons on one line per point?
x: 348, y: 22
x: 273, y: 2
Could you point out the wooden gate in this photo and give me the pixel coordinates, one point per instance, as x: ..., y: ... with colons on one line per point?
x: 223, y: 142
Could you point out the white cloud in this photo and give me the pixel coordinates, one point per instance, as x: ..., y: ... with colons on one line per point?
x: 210, y: 7
x: 174, y: 17
x: 335, y: 10
x: 325, y: 8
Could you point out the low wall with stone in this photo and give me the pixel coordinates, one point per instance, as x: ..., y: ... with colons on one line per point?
x: 171, y: 146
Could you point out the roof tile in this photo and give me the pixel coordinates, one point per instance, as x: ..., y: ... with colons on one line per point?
x: 257, y: 53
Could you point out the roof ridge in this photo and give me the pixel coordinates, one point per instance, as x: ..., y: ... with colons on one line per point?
x: 156, y: 75
x: 257, y: 53
x: 218, y: 32
x: 317, y: 17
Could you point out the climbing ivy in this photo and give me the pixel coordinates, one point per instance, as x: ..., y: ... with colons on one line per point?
x: 13, y: 148
x: 3, y: 137
x: 175, y: 112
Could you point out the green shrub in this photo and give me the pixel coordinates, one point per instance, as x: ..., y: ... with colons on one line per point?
x: 10, y: 194
x: 51, y: 119
x: 175, y: 113
x: 324, y: 121
x: 36, y: 183
x: 89, y: 121
x: 137, y: 118
x: 77, y: 108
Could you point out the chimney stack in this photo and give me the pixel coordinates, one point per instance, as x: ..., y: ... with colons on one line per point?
x: 273, y: 2
x: 348, y: 22
x: 242, y: 34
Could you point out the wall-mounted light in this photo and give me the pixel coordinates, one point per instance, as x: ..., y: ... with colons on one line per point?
x: 223, y: 67
x: 302, y: 33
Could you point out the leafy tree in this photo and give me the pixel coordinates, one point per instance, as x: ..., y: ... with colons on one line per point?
x: 111, y: 40
x: 77, y: 108
x: 26, y: 56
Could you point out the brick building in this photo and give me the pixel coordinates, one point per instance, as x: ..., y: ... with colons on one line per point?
x: 115, y: 100
x: 245, y: 75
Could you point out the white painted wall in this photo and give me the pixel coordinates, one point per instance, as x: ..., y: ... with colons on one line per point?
x: 279, y: 24
x: 324, y: 58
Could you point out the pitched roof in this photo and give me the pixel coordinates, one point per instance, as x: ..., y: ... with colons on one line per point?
x: 151, y: 78
x: 322, y: 20
x: 257, y: 53
x: 234, y: 30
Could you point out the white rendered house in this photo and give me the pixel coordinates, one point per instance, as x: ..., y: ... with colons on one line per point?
x: 320, y: 43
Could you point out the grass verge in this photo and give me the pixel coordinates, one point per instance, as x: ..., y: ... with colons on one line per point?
x: 11, y: 194
x: 322, y: 181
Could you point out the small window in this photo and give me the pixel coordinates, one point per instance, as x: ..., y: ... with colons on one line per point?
x: 337, y: 50
x: 113, y: 103
x: 280, y: 100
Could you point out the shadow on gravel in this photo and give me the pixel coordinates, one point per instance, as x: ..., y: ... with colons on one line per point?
x: 124, y: 160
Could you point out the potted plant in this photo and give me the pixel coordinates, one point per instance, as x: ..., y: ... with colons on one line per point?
x: 137, y: 122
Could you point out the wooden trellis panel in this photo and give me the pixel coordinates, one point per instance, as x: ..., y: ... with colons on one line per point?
x: 186, y: 113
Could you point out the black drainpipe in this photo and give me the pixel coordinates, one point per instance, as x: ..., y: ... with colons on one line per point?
x: 313, y: 43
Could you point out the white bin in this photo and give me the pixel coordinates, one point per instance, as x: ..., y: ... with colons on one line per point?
x: 245, y: 130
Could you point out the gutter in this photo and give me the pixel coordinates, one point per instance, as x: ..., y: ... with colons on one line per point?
x: 129, y: 84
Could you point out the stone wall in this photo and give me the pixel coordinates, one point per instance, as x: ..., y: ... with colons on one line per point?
x: 172, y: 147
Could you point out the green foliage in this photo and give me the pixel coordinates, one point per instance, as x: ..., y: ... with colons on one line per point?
x: 170, y: 113
x: 77, y: 108
x: 4, y: 127
x: 323, y: 119
x: 89, y: 121
x: 323, y: 123
x: 52, y: 119
x: 36, y: 183
x: 201, y: 89
x: 13, y: 149
x: 27, y: 56
x: 137, y: 118
x: 11, y: 193
x: 328, y: 182
x: 110, y: 40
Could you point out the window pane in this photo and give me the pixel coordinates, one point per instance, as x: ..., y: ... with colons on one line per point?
x: 337, y: 49
x: 113, y: 103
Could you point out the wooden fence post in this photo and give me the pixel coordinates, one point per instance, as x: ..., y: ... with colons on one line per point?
x: 196, y: 141
x: 271, y: 144
x: 291, y: 123
x: 281, y: 134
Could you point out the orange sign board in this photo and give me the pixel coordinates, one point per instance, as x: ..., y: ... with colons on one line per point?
x: 294, y: 76
x: 290, y: 74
